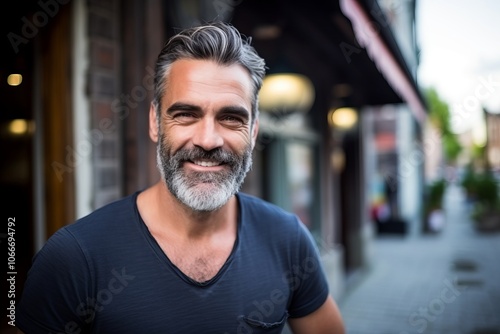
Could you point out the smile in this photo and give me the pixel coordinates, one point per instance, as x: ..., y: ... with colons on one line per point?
x: 206, y: 163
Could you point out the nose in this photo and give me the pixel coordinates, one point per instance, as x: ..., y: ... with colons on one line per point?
x: 207, y: 135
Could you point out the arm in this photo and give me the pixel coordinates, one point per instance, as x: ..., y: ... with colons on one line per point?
x: 325, y: 320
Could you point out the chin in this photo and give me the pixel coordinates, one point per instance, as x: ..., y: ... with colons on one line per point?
x: 205, y: 197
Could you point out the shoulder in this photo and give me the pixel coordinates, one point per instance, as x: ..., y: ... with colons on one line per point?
x: 94, y: 231
x: 271, y: 220
x: 90, y: 234
x: 79, y: 246
x: 257, y: 207
x: 112, y: 217
x: 112, y: 212
x: 280, y: 236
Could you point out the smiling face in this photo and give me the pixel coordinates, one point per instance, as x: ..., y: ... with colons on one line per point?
x: 206, y: 134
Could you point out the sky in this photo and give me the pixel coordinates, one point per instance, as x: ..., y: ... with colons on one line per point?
x: 460, y: 57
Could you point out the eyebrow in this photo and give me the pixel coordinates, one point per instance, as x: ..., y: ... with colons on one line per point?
x: 180, y: 106
x: 235, y: 110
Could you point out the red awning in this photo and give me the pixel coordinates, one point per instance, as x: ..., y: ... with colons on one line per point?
x: 370, y: 39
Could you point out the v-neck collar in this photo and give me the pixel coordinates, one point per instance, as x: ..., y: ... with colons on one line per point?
x: 160, y: 254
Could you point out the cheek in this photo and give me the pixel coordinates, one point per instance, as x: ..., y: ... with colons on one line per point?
x: 239, y: 140
x: 175, y: 137
x: 168, y: 146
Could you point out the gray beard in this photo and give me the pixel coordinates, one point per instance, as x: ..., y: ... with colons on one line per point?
x: 202, y: 191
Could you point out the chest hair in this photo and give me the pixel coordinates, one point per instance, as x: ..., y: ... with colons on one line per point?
x: 199, y: 262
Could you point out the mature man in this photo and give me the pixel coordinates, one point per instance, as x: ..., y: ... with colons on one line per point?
x: 191, y: 254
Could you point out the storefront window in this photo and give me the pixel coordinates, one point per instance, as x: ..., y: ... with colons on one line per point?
x: 300, y: 165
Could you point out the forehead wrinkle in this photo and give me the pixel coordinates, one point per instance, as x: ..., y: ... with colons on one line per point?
x: 214, y: 69
x: 197, y: 100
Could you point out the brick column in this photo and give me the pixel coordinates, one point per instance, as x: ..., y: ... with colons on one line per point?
x: 106, y: 112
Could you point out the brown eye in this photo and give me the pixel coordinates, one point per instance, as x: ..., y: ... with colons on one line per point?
x: 231, y: 120
x: 184, y: 114
x: 184, y: 117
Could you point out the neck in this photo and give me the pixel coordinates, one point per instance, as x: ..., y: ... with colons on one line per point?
x: 175, y: 218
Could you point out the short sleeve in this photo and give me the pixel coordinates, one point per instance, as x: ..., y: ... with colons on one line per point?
x: 56, y: 293
x: 307, y: 277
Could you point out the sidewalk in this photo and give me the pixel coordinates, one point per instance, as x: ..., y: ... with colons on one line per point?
x: 445, y: 283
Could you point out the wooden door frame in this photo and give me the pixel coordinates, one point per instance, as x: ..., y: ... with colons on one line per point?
x: 58, y: 158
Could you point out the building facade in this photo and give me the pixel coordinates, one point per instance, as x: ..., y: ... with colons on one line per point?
x: 87, y: 85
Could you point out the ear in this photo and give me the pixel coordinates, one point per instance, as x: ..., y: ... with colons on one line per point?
x: 255, y: 132
x: 153, y: 123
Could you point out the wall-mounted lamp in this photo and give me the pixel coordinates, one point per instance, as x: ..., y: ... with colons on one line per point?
x: 344, y: 118
x: 286, y: 93
x: 20, y: 127
x: 14, y: 79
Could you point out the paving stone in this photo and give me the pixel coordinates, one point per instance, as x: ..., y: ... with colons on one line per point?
x: 444, y: 283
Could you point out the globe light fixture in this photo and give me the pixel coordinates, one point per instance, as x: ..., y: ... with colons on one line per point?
x: 286, y: 93
x: 344, y: 118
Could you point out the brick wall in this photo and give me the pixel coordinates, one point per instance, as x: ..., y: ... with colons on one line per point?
x: 103, y: 90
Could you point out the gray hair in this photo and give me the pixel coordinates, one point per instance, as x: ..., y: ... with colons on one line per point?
x: 217, y: 41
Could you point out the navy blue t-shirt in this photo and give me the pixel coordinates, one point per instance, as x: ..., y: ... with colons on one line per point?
x: 106, y: 274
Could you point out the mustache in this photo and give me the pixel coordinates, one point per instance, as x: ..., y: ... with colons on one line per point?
x: 197, y: 153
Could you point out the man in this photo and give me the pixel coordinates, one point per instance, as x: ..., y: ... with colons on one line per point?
x: 190, y: 254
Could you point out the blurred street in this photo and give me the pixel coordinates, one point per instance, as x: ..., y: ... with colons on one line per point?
x: 443, y: 283
x: 369, y: 111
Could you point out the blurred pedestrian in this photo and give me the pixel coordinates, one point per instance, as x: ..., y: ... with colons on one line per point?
x: 191, y: 254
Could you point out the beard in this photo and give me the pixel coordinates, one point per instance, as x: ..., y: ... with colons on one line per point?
x: 202, y: 191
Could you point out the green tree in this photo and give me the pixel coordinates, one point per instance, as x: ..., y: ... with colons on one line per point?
x: 439, y: 115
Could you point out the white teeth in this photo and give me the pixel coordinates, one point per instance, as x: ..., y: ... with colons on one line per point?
x: 206, y: 163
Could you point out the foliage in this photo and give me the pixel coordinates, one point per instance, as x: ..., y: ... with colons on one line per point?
x: 486, y: 190
x: 480, y: 211
x: 439, y: 115
x: 433, y: 210
x: 482, y: 189
x: 477, y: 151
x: 435, y: 194
x: 468, y: 181
x: 451, y: 146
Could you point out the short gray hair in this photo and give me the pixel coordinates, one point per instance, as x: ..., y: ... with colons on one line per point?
x: 217, y: 41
